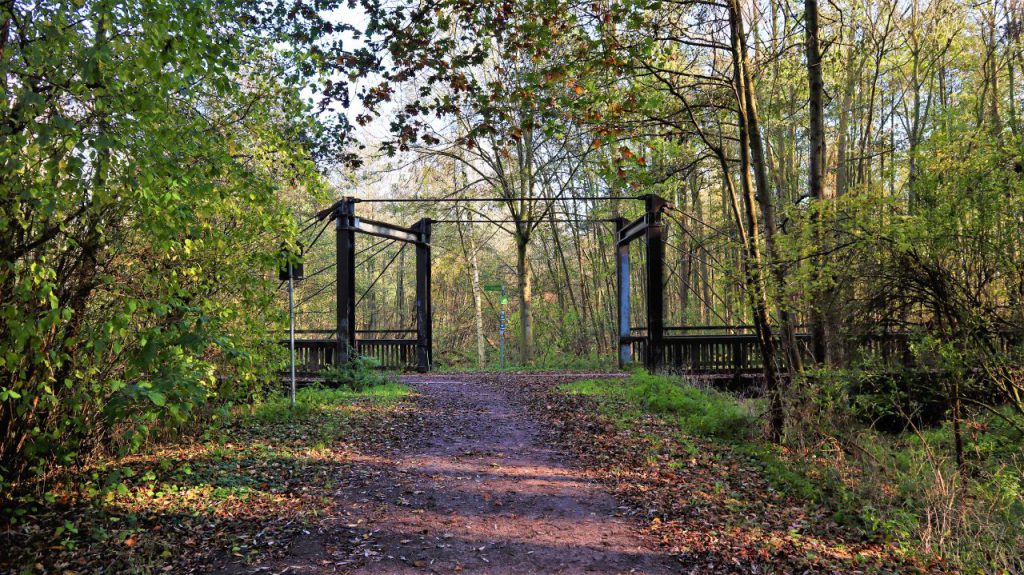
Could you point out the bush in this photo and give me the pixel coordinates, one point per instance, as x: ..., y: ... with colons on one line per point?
x: 135, y: 291
x: 896, y: 400
x: 357, y: 375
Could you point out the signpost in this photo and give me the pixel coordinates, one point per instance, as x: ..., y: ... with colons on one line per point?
x: 291, y: 272
x: 501, y: 336
x: 501, y: 318
x: 291, y: 327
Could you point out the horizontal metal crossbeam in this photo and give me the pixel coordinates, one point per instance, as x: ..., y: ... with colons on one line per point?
x: 386, y: 230
x: 633, y: 230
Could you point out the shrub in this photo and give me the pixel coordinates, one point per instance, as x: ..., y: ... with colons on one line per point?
x: 357, y: 375
x: 138, y: 243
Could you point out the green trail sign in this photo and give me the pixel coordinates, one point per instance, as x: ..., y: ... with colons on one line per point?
x: 500, y: 288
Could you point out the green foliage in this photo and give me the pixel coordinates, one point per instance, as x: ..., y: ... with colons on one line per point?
x: 942, y: 265
x: 884, y: 465
x: 913, y: 485
x: 142, y: 169
x: 702, y: 412
x: 359, y: 374
x: 898, y: 399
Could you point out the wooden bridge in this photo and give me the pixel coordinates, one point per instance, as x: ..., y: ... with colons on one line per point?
x: 716, y: 350
x: 716, y: 354
x: 731, y: 351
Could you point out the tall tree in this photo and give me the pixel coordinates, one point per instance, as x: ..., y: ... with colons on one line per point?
x: 816, y: 159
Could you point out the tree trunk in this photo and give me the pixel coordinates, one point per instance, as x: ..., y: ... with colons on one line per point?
x: 525, y: 279
x: 816, y: 169
x: 842, y: 168
x: 751, y: 155
x: 470, y: 249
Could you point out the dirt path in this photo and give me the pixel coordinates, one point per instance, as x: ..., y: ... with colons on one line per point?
x: 478, y: 492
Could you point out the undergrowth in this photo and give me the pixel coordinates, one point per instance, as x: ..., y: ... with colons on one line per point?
x: 317, y: 400
x: 357, y: 375
x: 902, y: 488
x: 910, y: 490
x: 181, y: 506
x: 900, y: 480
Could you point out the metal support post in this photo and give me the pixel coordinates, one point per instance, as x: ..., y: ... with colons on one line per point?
x: 424, y: 327
x: 622, y: 271
x: 346, y: 281
x: 291, y: 325
x: 501, y: 326
x: 655, y: 283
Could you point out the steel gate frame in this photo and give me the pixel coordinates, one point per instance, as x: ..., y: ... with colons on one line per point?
x: 347, y: 225
x: 648, y: 226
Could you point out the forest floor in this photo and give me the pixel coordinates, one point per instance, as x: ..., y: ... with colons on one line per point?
x: 482, y: 473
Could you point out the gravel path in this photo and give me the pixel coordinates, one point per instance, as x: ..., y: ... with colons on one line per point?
x: 479, y: 491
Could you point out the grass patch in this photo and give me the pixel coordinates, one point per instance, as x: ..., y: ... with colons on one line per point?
x: 701, y: 412
x: 316, y: 400
x: 704, y: 413
x: 321, y: 414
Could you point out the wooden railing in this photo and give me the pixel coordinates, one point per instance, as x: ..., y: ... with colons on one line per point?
x: 738, y: 353
x: 398, y: 354
x: 312, y: 355
x: 710, y: 354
